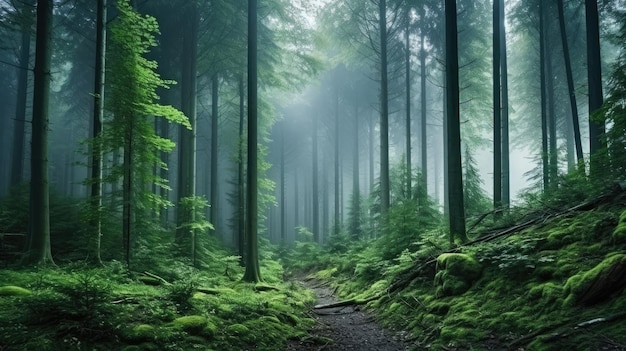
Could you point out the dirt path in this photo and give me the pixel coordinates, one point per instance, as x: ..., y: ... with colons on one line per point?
x: 348, y: 327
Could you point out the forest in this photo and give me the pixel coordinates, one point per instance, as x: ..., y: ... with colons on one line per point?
x: 258, y: 175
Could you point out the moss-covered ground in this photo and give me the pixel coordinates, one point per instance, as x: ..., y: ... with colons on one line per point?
x: 555, y: 285
x: 73, y: 307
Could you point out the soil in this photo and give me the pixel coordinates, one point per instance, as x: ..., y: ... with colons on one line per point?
x: 345, y: 328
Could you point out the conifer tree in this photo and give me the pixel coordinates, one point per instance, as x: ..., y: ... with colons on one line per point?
x: 133, y: 83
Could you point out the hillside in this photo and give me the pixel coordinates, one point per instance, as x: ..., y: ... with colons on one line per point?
x: 553, y: 279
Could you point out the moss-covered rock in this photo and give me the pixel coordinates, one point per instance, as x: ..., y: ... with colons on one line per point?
x: 619, y: 234
x: 12, y: 290
x: 140, y: 333
x: 191, y: 324
x: 599, y: 283
x: 455, y: 273
x: 237, y: 329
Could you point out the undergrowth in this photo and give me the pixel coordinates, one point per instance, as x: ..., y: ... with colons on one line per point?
x: 532, y: 287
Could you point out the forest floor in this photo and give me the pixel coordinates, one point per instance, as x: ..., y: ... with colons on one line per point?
x: 345, y: 328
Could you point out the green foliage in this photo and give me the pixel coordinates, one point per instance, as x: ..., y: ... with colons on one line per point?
x: 475, y: 199
x: 11, y: 290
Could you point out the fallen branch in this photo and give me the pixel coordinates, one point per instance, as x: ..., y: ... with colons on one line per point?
x: 165, y: 282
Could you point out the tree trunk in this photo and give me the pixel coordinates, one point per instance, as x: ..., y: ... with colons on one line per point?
x: 552, y: 142
x: 384, y: 111
x: 315, y: 191
x: 253, y: 272
x: 407, y: 82
x: 337, y: 223
x: 570, y: 86
x: 214, y: 147
x: 283, y: 205
x: 17, y: 155
x: 594, y: 77
x: 455, y: 170
x: 187, y: 139
x: 39, y: 252
x: 423, y: 130
x: 544, y: 103
x: 240, y: 226
x: 504, y: 81
x: 497, y: 110
x: 93, y: 246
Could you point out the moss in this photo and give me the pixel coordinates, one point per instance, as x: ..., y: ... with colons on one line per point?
x: 578, y: 288
x: 140, y: 332
x: 11, y: 290
x: 619, y: 234
x: 238, y: 329
x: 456, y: 273
x: 191, y: 324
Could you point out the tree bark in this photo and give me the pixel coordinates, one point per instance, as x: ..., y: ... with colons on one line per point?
x: 214, y: 147
x: 17, y: 155
x: 98, y: 115
x: 407, y: 82
x: 570, y: 85
x: 187, y: 139
x: 544, y: 114
x: 253, y: 272
x: 384, y: 111
x: 497, y: 109
x: 455, y: 170
x: 423, y: 128
x: 315, y: 191
x: 39, y: 251
x: 337, y: 223
x: 594, y: 78
x: 504, y: 81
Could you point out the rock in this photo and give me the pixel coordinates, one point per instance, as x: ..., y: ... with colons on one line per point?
x: 455, y: 273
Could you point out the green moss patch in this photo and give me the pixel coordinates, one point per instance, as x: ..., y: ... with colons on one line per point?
x: 190, y: 324
x: 456, y: 273
x: 599, y: 283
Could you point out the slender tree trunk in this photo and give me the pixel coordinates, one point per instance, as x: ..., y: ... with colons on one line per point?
x: 384, y: 111
x: 337, y: 223
x: 423, y: 130
x: 504, y: 81
x: 17, y: 155
x: 39, y: 247
x: 98, y: 113
x: 187, y: 139
x: 594, y: 78
x: 544, y: 102
x: 407, y: 82
x: 296, y: 200
x: 253, y: 272
x: 241, y: 223
x: 214, y: 147
x: 552, y: 142
x: 455, y: 170
x: 315, y: 180
x: 283, y: 204
x: 497, y: 110
x: 570, y: 86
x: 356, y: 189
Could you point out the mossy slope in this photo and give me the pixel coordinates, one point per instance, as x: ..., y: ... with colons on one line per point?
x: 511, y: 293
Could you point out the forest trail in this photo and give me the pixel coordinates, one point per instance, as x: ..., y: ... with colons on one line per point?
x: 348, y: 327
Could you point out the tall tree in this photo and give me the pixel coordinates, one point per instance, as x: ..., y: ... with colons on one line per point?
x: 407, y: 88
x: 497, y: 109
x: 98, y: 114
x: 187, y: 139
x: 253, y: 272
x: 384, y: 109
x: 214, y: 146
x: 594, y: 78
x: 544, y: 103
x: 17, y: 154
x: 39, y: 220
x: 456, y: 210
x: 504, y: 82
x: 570, y: 84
